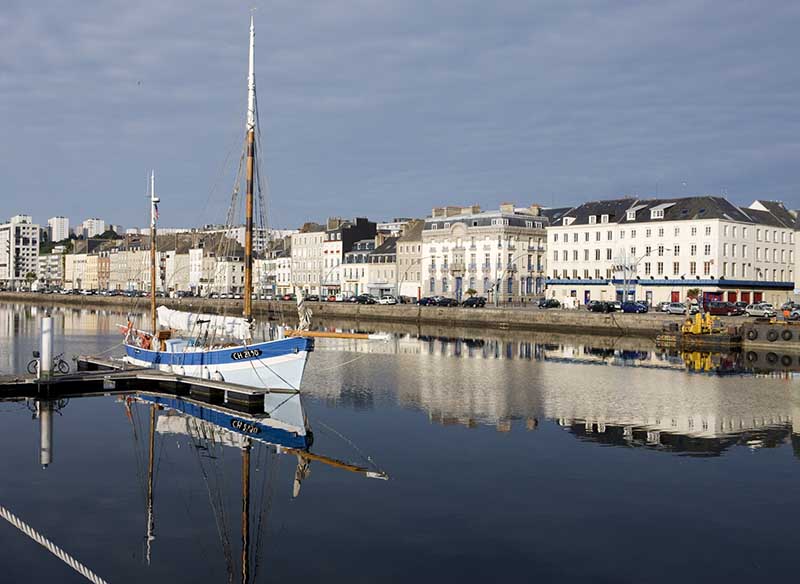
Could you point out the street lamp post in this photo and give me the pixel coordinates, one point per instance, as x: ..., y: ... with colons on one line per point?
x: 512, y: 266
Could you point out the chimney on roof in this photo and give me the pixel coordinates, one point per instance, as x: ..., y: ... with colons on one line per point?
x: 506, y: 207
x: 535, y: 210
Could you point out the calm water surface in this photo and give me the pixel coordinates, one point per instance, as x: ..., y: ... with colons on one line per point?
x: 512, y: 457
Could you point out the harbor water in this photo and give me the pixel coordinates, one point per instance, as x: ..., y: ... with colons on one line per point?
x: 510, y: 456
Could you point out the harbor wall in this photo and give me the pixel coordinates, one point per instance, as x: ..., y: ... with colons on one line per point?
x: 557, y: 320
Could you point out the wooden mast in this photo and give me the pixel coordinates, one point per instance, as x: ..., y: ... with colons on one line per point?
x: 251, y: 147
x: 150, y: 536
x: 153, y: 218
x: 246, y: 512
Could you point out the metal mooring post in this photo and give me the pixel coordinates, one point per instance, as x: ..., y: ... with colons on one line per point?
x: 46, y: 353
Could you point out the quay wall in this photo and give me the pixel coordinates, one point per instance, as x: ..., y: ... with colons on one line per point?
x: 556, y: 320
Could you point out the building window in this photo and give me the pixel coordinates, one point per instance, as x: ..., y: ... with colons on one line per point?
x: 660, y: 250
x: 622, y: 234
x: 432, y: 285
x: 597, y: 273
x: 586, y: 255
x: 708, y: 230
x: 676, y: 268
x: 725, y: 230
x: 609, y: 235
x: 693, y: 268
x: 555, y: 237
x: 633, y: 252
x: 592, y: 219
x: 660, y: 268
x: 585, y: 236
x: 444, y: 284
x: 647, y: 268
x: 677, y: 231
x: 597, y: 255
x: 694, y: 230
x: 597, y: 236
x: 707, y: 249
x: 608, y: 253
x: 648, y: 250
x: 648, y: 232
x: 631, y: 215
x: 676, y: 250
x: 661, y: 232
x: 693, y: 249
x: 706, y: 268
x: 604, y: 219
x: 633, y: 234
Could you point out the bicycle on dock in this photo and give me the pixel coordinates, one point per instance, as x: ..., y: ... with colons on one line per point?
x: 58, y: 364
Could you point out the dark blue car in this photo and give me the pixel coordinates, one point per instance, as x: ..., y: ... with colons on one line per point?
x: 634, y: 307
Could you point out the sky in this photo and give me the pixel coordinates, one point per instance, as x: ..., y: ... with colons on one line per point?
x: 386, y: 109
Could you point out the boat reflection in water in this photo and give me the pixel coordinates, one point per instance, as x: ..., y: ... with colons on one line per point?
x: 283, y: 430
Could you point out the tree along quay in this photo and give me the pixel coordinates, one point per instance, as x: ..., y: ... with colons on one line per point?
x: 559, y: 320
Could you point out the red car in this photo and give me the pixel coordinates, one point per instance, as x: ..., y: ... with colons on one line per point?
x: 724, y: 309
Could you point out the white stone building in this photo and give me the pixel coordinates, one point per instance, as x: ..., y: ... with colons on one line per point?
x: 659, y: 249
x: 465, y: 248
x: 307, y: 258
x: 19, y: 252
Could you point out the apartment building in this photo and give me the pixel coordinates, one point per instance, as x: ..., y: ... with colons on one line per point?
x: 494, y: 251
x: 51, y: 267
x: 58, y: 228
x: 659, y: 249
x: 19, y: 252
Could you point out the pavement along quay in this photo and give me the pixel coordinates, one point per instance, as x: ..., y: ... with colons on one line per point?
x: 557, y: 320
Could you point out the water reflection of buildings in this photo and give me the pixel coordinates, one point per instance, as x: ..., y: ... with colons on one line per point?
x: 610, y: 391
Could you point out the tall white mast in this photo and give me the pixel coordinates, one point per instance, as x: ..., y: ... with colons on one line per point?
x: 153, y: 218
x: 251, y: 80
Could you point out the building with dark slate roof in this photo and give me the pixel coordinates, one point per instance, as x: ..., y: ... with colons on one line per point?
x: 499, y: 254
x: 661, y: 249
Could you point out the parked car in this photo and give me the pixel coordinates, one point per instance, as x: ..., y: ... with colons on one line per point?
x: 634, y: 307
x: 366, y: 299
x: 599, y: 306
x: 741, y: 304
x: 290, y: 296
x: 662, y: 306
x: 724, y: 309
x: 406, y: 300
x: 474, y: 302
x: 313, y: 297
x: 427, y: 301
x: 442, y: 301
x: 549, y: 303
x: 388, y: 299
x: 680, y: 308
x: 760, y: 309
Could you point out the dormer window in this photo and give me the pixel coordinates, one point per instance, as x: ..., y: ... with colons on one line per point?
x: 631, y: 216
x: 592, y: 219
x: 657, y: 214
x: 568, y: 221
x: 603, y: 218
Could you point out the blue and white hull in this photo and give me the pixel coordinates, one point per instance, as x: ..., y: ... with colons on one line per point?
x: 275, y: 364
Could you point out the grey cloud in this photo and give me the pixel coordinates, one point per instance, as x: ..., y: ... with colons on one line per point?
x: 386, y: 108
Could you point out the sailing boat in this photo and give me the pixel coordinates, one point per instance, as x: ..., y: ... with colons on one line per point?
x: 219, y: 347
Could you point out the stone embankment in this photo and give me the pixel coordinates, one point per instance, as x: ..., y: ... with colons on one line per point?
x: 557, y: 320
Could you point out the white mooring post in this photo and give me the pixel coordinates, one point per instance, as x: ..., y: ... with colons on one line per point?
x: 46, y: 352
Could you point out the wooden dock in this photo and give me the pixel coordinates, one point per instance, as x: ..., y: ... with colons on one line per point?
x: 102, y: 375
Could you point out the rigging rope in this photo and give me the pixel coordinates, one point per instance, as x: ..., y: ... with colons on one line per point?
x: 50, y: 546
